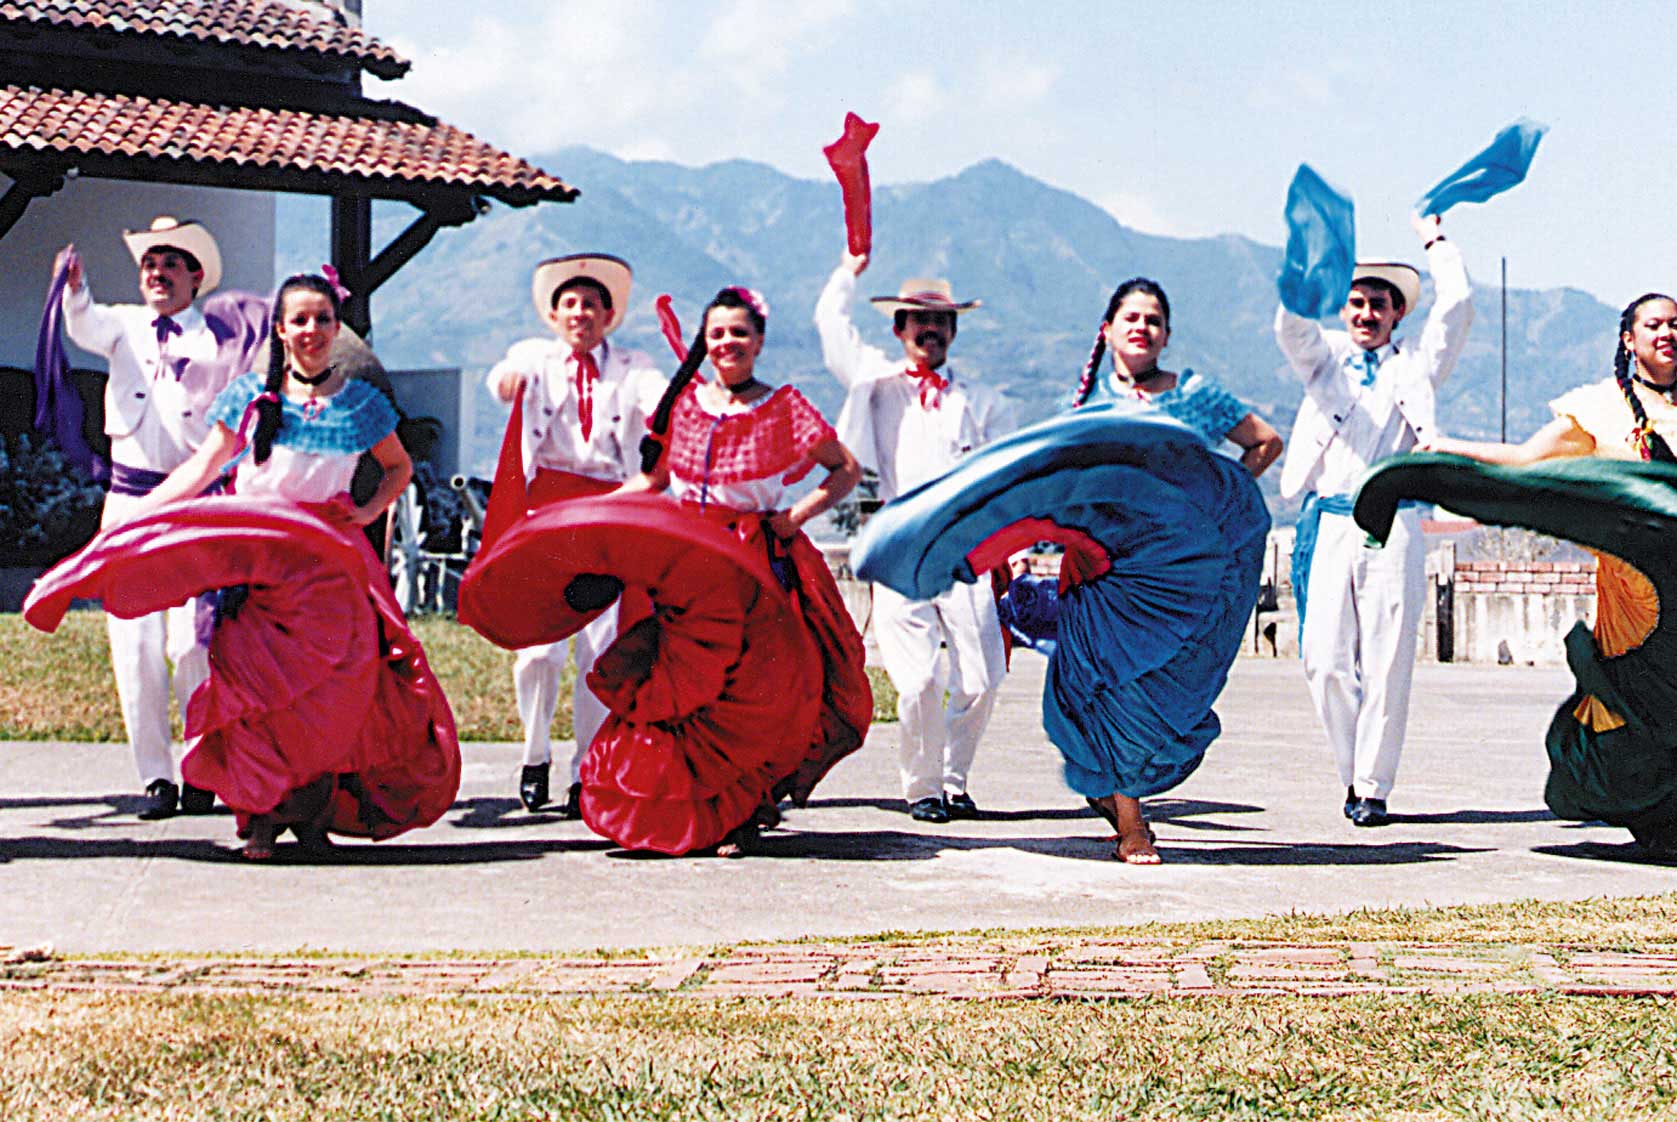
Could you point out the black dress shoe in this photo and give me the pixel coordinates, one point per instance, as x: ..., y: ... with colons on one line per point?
x: 929, y: 809
x: 572, y: 806
x: 1370, y: 812
x: 1350, y: 801
x: 532, y: 786
x: 960, y: 806
x: 196, y: 800
x: 161, y: 798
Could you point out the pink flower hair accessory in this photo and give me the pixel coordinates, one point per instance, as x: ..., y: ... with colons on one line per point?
x: 330, y: 273
x: 753, y: 298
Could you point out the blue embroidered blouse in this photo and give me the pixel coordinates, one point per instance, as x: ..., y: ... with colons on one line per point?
x: 1198, y: 401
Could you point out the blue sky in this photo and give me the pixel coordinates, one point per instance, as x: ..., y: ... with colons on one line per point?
x: 1182, y: 118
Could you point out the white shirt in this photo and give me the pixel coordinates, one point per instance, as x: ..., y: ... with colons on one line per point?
x: 1343, y: 427
x: 883, y: 423
x: 624, y: 397
x: 154, y: 419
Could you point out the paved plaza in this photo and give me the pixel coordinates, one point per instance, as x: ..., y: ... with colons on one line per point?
x: 1258, y: 831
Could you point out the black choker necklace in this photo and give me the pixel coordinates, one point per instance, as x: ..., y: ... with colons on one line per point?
x: 314, y: 380
x: 743, y: 387
x: 1663, y: 391
x: 1145, y: 376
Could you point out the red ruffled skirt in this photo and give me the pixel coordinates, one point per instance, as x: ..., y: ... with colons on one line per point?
x: 715, y: 697
x: 316, y: 681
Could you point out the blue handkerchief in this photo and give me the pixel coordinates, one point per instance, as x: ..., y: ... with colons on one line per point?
x: 1503, y: 164
x: 1321, y: 246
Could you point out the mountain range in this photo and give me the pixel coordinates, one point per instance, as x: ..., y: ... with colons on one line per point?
x: 1043, y: 261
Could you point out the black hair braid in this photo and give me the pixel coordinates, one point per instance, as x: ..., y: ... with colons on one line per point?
x: 653, y: 443
x: 1091, y: 369
x: 268, y: 412
x: 1654, y: 446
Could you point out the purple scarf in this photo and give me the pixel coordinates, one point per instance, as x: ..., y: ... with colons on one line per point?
x: 58, y: 407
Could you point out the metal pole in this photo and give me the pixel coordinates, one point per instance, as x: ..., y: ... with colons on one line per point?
x: 1505, y: 350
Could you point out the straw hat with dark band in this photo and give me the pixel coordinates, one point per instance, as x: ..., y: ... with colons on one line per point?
x: 1405, y: 278
x: 610, y: 273
x: 922, y: 294
x: 189, y: 236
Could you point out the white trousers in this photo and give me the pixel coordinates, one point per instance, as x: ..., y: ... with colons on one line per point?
x: 141, y: 651
x: 1362, y: 619
x: 953, y: 643
x: 535, y: 676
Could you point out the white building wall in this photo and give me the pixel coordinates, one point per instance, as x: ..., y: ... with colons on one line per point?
x: 92, y: 213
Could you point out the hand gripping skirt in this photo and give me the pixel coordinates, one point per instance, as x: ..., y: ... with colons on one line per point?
x: 316, y: 676
x: 1164, y: 542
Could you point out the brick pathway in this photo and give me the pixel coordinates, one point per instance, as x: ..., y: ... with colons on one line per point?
x: 956, y: 968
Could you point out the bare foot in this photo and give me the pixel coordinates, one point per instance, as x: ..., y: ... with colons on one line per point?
x: 1135, y: 836
x: 1136, y: 848
x: 259, y: 839
x: 740, y: 841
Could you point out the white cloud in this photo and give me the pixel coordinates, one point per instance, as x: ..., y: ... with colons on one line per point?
x: 1140, y: 213
x: 915, y: 99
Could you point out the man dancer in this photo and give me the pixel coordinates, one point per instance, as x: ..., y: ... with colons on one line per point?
x: 1367, y: 397
x: 167, y: 363
x: 585, y: 405
x: 909, y: 419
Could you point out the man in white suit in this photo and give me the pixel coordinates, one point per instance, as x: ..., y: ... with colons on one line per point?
x: 1367, y: 397
x: 585, y: 406
x: 910, y: 419
x: 168, y: 356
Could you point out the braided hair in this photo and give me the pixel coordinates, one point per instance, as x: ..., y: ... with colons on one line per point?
x: 1653, y: 444
x: 652, y: 444
x: 268, y: 411
x: 1091, y: 369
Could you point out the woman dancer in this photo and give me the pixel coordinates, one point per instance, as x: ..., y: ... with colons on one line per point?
x: 746, y: 682
x: 1613, y: 745
x: 320, y: 713
x: 1163, y: 538
x: 734, y: 447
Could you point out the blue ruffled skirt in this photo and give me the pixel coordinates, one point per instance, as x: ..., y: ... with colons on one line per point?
x: 1167, y: 540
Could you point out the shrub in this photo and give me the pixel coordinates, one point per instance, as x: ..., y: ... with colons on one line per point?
x: 47, y: 509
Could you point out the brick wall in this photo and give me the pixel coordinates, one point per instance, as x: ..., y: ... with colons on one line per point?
x: 1567, y: 578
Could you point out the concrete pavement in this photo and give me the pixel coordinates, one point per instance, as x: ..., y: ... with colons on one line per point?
x: 1257, y: 831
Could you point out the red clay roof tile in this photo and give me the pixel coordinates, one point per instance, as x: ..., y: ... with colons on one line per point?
x: 311, y: 27
x: 370, y: 148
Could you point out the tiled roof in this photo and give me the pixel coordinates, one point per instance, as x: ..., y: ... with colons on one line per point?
x: 285, y: 25
x: 285, y: 140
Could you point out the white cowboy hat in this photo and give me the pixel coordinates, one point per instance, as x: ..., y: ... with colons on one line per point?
x: 1405, y: 278
x: 189, y: 236
x: 610, y: 273
x: 923, y: 294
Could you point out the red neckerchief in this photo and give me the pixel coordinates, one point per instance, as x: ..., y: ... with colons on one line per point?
x: 587, y: 373
x: 932, y: 385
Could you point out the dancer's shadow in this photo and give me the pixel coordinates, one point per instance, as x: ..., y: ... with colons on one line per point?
x: 1182, y: 812
x: 501, y: 813
x: 896, y: 845
x: 1476, y: 817
x: 1628, y: 852
x: 118, y: 810
x: 288, y: 853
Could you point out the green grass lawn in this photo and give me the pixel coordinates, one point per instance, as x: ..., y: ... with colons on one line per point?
x: 59, y: 687
x: 1479, y: 1056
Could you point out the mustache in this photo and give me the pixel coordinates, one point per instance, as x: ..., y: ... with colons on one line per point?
x: 930, y: 336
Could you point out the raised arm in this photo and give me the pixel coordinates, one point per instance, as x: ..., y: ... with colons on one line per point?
x: 92, y: 327
x: 1445, y: 332
x: 842, y: 349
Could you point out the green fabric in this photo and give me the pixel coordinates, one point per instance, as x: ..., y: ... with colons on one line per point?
x: 1625, y: 776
